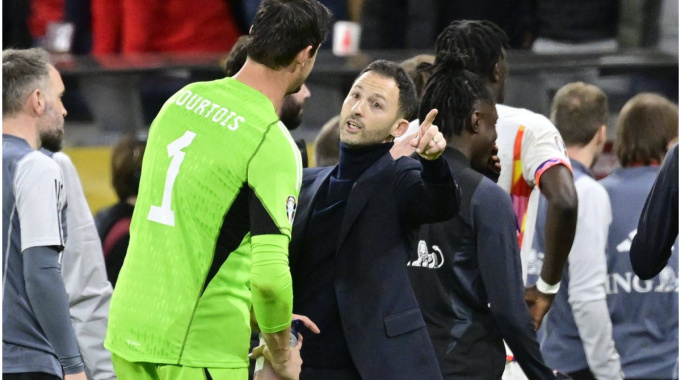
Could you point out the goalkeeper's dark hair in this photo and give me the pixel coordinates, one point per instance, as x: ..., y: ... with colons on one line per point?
x: 482, y: 41
x: 455, y: 92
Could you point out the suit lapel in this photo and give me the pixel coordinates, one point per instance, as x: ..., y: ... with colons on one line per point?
x: 361, y: 193
x: 308, y: 198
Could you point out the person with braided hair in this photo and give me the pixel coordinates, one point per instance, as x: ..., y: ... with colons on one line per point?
x: 475, y: 297
x: 533, y: 161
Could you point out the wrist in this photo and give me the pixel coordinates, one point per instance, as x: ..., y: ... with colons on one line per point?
x: 280, y: 355
x: 545, y: 288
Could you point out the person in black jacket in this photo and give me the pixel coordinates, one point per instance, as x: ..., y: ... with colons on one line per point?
x: 466, y: 271
x: 350, y: 241
x: 658, y: 227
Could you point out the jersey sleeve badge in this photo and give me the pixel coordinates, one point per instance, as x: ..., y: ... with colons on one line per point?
x: 291, y: 207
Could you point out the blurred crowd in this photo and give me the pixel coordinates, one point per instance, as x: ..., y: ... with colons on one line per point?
x: 125, y: 26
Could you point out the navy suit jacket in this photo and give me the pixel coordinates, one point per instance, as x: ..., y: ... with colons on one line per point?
x: 381, y: 320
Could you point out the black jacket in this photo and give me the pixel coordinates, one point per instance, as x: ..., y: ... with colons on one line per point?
x: 463, y: 265
x: 381, y: 320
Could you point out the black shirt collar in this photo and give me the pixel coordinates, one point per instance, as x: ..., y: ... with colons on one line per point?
x: 354, y: 161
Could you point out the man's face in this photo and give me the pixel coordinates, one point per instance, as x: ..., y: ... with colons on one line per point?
x: 293, y: 108
x: 486, y: 136
x: 51, y: 124
x: 370, y: 113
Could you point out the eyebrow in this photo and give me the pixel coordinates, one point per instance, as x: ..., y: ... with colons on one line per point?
x: 375, y: 94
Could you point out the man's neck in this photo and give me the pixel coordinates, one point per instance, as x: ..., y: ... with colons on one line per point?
x: 22, y: 126
x: 272, y: 83
x: 582, y: 154
x: 495, y: 91
x: 462, y: 146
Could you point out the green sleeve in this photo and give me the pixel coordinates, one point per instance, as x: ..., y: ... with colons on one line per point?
x: 271, y: 284
x: 274, y: 176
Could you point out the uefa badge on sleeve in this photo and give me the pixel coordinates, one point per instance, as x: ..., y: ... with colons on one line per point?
x: 291, y: 206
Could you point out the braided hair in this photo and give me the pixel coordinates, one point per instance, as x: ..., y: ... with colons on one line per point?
x: 455, y: 92
x: 482, y: 41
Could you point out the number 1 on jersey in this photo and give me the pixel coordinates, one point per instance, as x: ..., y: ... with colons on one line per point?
x: 164, y: 213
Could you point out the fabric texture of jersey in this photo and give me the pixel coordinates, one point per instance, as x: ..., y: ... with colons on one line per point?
x: 32, y: 203
x: 217, y: 197
x: 646, y: 339
x: 577, y: 333
x: 528, y: 145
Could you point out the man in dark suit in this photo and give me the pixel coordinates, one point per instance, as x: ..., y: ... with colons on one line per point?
x: 350, y: 242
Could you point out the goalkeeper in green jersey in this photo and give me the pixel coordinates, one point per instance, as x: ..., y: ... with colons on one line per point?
x: 209, y: 235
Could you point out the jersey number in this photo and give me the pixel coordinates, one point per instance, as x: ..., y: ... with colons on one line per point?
x: 164, y: 213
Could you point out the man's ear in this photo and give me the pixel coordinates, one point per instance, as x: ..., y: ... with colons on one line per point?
x: 36, y: 102
x: 474, y: 121
x: 400, y: 128
x: 304, y: 55
x: 496, y: 74
x: 601, y: 135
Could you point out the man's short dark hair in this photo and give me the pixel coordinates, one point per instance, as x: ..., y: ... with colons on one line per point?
x: 455, y: 92
x: 408, y: 101
x: 237, y: 56
x: 646, y: 125
x: 578, y: 111
x: 482, y: 41
x: 126, y: 165
x: 282, y: 28
x: 23, y: 71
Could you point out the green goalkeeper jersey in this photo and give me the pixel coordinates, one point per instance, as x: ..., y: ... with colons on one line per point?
x: 217, y: 198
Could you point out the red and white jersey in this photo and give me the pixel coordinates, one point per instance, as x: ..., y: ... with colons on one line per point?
x: 528, y: 145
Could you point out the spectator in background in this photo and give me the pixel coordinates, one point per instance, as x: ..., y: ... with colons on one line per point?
x: 577, y: 26
x: 467, y: 275
x: 415, y: 24
x: 113, y: 223
x: 577, y: 333
x: 419, y: 69
x: 177, y: 26
x: 532, y: 157
x: 85, y: 275
x: 658, y: 225
x: 644, y: 313
x: 38, y: 339
x: 327, y: 143
x: 292, y: 109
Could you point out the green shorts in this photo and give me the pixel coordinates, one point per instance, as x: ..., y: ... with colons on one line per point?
x: 126, y: 370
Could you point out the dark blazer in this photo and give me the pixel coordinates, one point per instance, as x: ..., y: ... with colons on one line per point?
x: 381, y: 320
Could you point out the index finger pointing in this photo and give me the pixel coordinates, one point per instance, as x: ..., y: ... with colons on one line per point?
x: 429, y: 119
